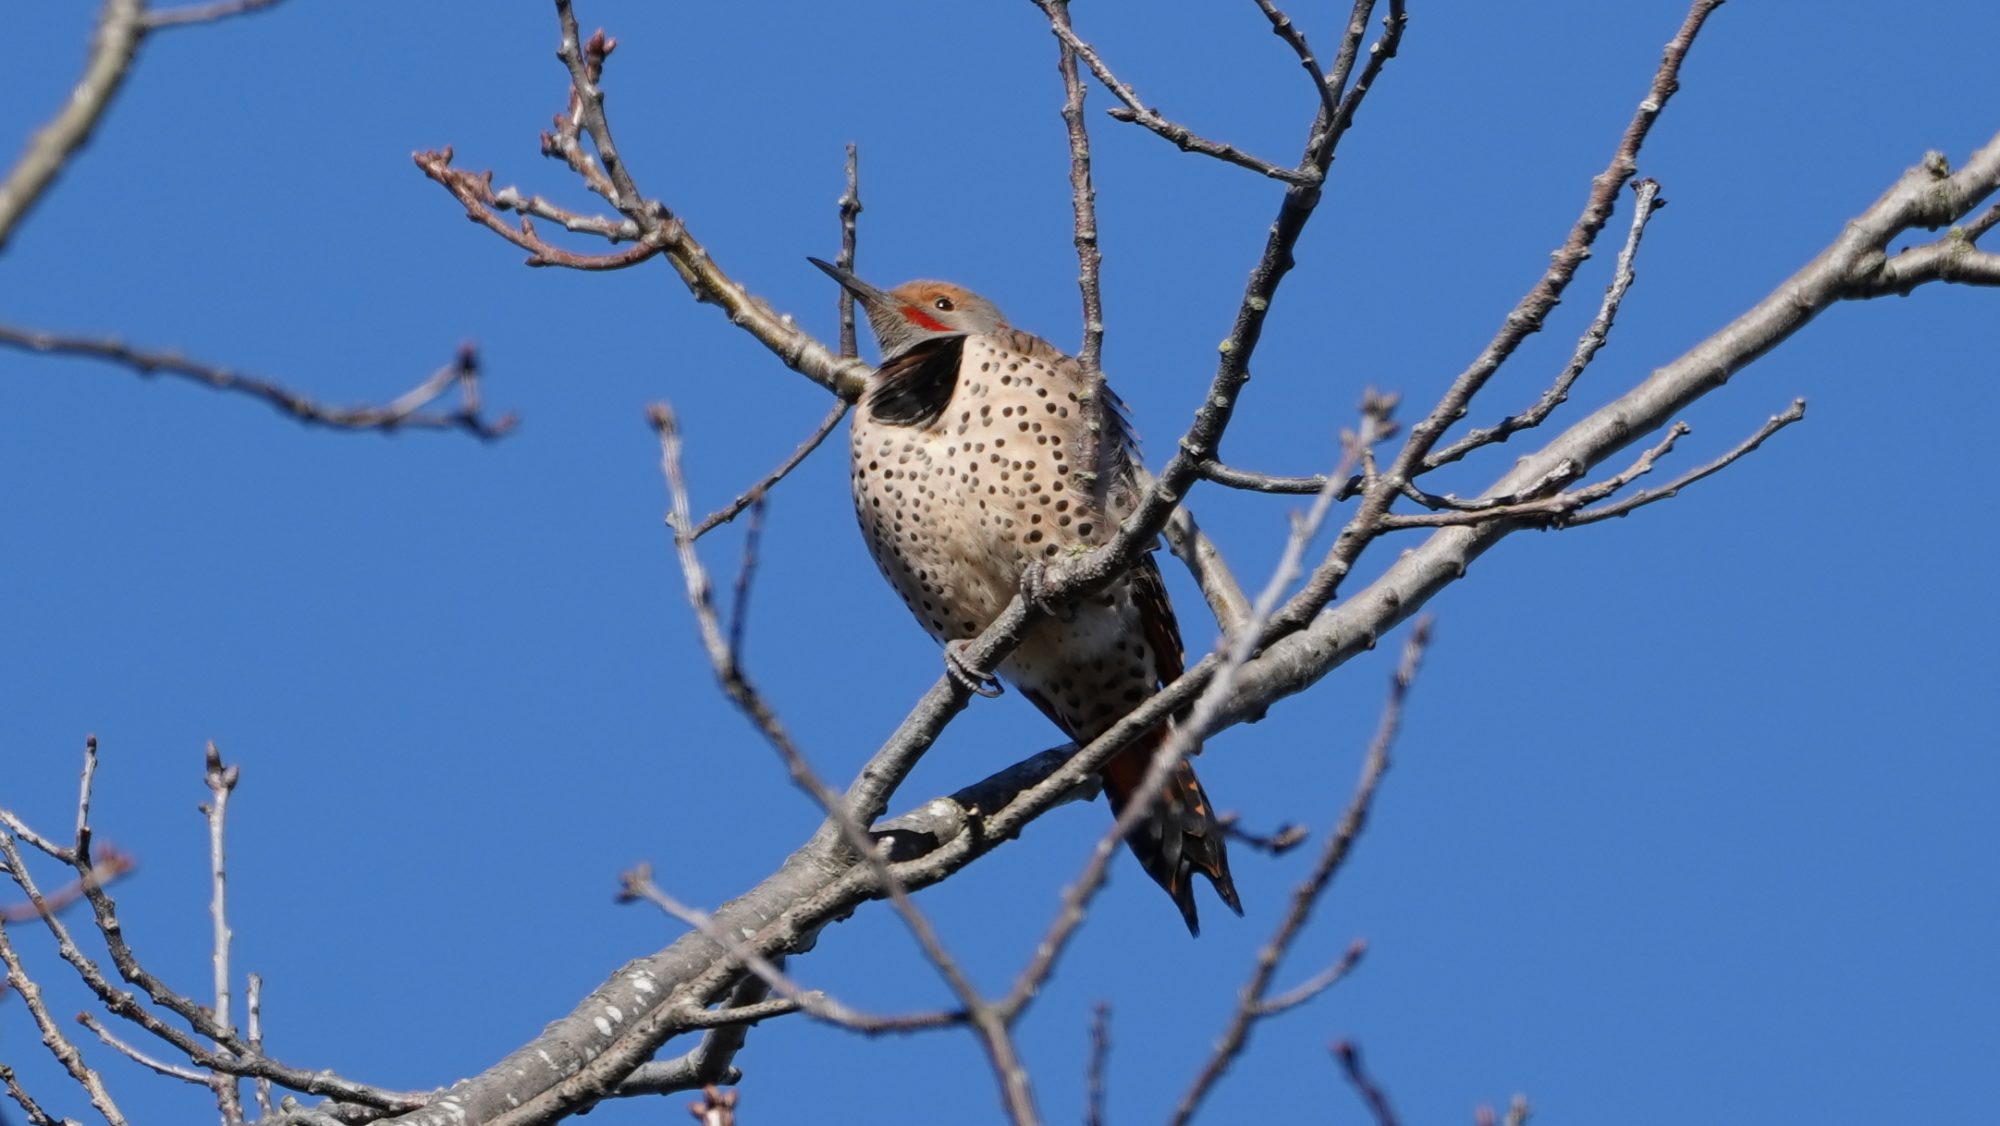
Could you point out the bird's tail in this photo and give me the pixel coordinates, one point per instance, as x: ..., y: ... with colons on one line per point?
x: 1179, y: 836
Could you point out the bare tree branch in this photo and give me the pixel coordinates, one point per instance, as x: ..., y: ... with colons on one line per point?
x: 705, y: 279
x: 1645, y: 201
x: 762, y: 488
x: 205, y: 13
x: 1100, y: 1058
x: 822, y: 881
x: 231, y: 1056
x: 406, y: 412
x: 119, y: 29
x: 1528, y: 315
x: 850, y: 211
x: 30, y: 992
x: 638, y: 884
x: 111, y: 866
x: 172, y: 1071
x: 1083, y: 197
x: 1278, y: 842
x: 482, y: 205
x: 221, y: 781
x: 36, y: 1115
x: 1252, y: 1004
x: 1377, y: 1100
x: 990, y: 1022
x: 1136, y: 111
x: 253, y: 1030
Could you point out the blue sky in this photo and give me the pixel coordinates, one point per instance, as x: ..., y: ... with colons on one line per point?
x: 1691, y: 815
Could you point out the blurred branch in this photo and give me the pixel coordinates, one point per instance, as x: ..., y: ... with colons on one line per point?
x: 30, y: 991
x: 120, y: 27
x: 716, y: 1107
x: 1371, y: 1092
x: 36, y: 1115
x: 205, y: 13
x: 1100, y: 1058
x: 1252, y: 1003
x: 110, y: 866
x: 406, y: 412
x: 1280, y: 841
x: 987, y: 1020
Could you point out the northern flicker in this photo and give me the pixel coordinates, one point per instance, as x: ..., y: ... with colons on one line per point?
x: 978, y: 451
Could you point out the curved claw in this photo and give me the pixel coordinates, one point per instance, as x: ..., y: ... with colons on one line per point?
x: 959, y: 669
x: 1035, y: 591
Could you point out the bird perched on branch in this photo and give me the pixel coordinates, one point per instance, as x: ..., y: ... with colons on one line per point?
x: 980, y: 452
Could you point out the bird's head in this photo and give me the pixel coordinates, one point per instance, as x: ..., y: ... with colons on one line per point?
x: 917, y: 311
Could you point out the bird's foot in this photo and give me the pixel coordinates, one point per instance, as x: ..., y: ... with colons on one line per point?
x: 1035, y: 584
x: 960, y: 669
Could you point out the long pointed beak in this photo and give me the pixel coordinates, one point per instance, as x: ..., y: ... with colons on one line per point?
x: 868, y: 294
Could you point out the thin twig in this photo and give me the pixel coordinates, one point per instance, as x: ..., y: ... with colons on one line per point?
x: 566, y: 143
x: 1371, y: 1092
x: 1973, y: 229
x: 1317, y: 984
x: 715, y: 1055
x: 1209, y: 569
x: 758, y: 491
x: 85, y: 785
x: 1252, y: 1004
x: 1569, y: 509
x: 1100, y: 1057
x: 30, y: 992
x: 406, y: 412
x: 1278, y: 842
x: 1083, y: 197
x: 1283, y: 27
x: 1625, y: 505
x: 234, y: 1057
x: 36, y: 1115
x: 253, y: 1019
x: 697, y: 268
x: 1181, y: 739
x: 221, y: 781
x: 482, y: 205
x: 205, y: 13
x: 110, y: 865
x: 1136, y: 111
x: 1529, y: 313
x: 746, y: 570
x: 173, y: 1071
x: 638, y: 885
x: 1248, y: 481
x: 986, y: 1019
x: 1645, y: 201
x: 850, y: 210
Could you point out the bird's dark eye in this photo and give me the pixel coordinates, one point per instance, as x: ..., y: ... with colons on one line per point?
x: 942, y: 304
